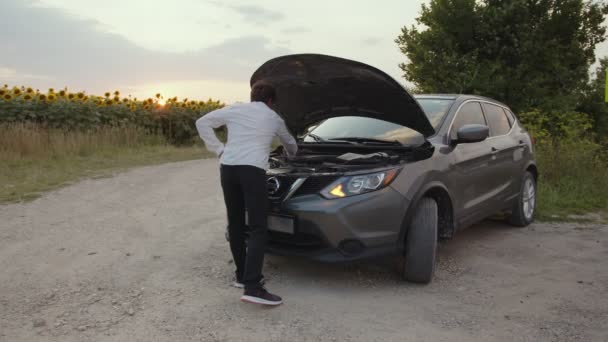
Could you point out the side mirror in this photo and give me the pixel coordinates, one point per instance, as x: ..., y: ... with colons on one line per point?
x: 472, y: 133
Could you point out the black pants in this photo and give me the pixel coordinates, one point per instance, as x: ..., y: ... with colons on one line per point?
x: 245, y: 189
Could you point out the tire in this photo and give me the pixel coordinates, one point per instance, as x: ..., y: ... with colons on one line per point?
x: 524, y: 207
x: 418, y: 265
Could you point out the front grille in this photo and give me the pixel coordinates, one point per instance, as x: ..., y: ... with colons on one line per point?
x: 285, y: 183
x: 314, y: 184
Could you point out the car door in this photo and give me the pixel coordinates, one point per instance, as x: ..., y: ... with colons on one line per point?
x: 522, y: 154
x: 469, y: 173
x: 506, y: 154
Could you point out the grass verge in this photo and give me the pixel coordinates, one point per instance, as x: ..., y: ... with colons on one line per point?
x: 34, y: 159
x: 573, y: 181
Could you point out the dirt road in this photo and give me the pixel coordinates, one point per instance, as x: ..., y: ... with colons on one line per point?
x: 142, y: 257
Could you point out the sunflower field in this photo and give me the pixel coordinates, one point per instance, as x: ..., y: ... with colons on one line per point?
x: 173, y: 118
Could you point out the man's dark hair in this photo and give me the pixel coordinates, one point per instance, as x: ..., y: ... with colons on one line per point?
x: 263, y: 92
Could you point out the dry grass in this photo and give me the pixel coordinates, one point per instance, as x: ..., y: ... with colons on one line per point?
x: 34, y: 159
x: 26, y: 141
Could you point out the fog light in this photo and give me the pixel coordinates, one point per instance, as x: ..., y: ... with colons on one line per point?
x: 351, y: 247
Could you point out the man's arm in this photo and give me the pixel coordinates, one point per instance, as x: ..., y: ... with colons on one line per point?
x: 205, y: 126
x: 289, y: 143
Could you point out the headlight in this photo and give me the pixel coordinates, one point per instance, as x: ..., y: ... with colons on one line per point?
x: 359, y: 184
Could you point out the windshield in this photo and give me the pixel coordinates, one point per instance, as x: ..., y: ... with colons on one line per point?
x: 364, y: 127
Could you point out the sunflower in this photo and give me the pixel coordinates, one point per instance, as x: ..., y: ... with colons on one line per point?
x: 51, y: 90
x: 7, y: 96
x: 2, y: 92
x: 99, y: 102
x: 51, y: 97
x: 116, y: 93
x: 80, y: 95
x: 125, y: 100
x: 27, y: 97
x: 17, y: 91
x: 29, y: 90
x: 107, y: 94
x: 62, y: 93
x: 42, y: 97
x: 158, y: 95
x: 71, y: 96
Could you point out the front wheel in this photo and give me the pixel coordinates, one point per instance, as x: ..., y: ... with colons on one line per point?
x: 421, y: 243
x: 524, y: 208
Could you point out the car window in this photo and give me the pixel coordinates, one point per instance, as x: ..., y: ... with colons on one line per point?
x: 510, y: 116
x: 470, y: 113
x: 497, y: 120
x: 435, y: 109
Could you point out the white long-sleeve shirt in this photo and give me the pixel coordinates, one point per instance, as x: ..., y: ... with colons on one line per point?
x: 251, y: 128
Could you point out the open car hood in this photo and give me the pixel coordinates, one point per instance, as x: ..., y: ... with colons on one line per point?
x: 311, y: 88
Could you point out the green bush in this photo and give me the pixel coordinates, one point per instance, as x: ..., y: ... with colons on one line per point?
x: 571, y: 162
x: 553, y: 126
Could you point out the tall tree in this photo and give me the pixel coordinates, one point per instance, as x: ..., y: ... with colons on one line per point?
x: 527, y: 53
x: 593, y: 100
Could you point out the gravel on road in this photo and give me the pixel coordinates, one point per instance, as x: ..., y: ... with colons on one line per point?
x: 141, y: 256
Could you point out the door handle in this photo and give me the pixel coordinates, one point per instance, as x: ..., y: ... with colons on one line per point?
x: 495, y: 151
x: 522, y: 144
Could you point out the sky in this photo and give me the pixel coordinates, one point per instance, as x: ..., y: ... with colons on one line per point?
x: 188, y: 48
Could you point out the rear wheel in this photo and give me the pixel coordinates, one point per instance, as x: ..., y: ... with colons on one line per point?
x: 524, y: 208
x: 421, y: 243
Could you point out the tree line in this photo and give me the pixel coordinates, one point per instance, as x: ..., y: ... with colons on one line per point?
x: 533, y: 55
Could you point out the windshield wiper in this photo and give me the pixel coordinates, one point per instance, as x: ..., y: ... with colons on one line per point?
x: 330, y: 141
x: 315, y: 137
x: 368, y: 141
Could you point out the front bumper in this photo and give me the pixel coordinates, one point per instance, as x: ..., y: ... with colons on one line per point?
x: 345, y: 229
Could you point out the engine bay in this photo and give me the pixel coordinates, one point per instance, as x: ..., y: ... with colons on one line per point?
x: 319, y: 159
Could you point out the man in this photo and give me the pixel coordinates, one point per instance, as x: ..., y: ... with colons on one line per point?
x: 243, y: 164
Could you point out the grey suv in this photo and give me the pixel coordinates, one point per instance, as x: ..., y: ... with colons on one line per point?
x: 382, y: 172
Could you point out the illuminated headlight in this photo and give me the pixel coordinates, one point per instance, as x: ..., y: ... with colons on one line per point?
x: 359, y: 184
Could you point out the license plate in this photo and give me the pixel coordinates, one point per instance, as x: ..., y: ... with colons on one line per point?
x: 283, y: 224
x: 280, y: 224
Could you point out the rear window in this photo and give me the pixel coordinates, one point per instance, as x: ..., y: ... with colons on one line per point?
x: 497, y: 120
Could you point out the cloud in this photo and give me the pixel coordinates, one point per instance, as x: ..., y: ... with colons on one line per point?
x: 257, y: 14
x: 372, y: 41
x: 252, y: 13
x: 295, y: 30
x: 50, y: 43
